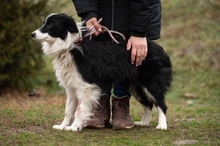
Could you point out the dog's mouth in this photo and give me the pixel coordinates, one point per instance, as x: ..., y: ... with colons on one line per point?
x: 34, y: 37
x: 38, y: 40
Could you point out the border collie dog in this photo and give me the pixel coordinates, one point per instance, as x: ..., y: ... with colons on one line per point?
x: 90, y: 68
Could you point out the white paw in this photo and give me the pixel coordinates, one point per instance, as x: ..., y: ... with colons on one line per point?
x: 140, y: 124
x: 58, y: 127
x: 162, y: 127
x: 68, y: 128
x: 73, y: 128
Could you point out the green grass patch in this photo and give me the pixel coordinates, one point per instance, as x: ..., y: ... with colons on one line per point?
x: 190, y: 34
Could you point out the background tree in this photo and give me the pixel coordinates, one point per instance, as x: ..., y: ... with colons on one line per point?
x: 20, y: 57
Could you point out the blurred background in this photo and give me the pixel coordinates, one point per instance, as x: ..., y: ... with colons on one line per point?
x: 190, y: 34
x: 31, y: 99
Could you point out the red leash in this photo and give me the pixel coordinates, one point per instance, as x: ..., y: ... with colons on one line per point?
x: 92, y: 30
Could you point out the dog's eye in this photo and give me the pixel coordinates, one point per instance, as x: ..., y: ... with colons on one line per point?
x: 49, y: 25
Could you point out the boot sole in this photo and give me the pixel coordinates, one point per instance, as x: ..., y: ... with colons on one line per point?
x: 123, y: 128
x: 95, y: 127
x: 107, y: 125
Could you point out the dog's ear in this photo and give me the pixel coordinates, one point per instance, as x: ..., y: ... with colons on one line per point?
x: 71, y: 26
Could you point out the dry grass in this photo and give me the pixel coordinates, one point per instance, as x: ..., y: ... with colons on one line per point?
x: 190, y: 34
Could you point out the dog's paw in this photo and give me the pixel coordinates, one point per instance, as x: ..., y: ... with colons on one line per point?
x: 140, y: 124
x: 68, y: 128
x: 73, y: 128
x: 58, y: 127
x: 162, y: 127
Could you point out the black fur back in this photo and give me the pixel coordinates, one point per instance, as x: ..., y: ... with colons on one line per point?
x: 107, y: 64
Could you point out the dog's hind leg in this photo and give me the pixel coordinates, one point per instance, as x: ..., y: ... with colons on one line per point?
x: 71, y: 105
x: 154, y: 95
x: 162, y: 121
x: 146, y: 117
x: 146, y: 99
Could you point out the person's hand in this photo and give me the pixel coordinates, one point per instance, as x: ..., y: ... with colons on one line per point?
x: 139, y: 48
x: 91, y: 22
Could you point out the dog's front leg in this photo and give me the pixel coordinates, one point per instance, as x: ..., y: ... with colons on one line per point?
x: 88, y: 97
x: 79, y: 122
x: 71, y: 105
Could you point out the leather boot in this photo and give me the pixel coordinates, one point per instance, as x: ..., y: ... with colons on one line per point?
x: 121, y: 118
x: 101, y: 114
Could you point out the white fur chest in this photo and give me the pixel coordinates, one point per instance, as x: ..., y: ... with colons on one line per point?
x: 66, y: 71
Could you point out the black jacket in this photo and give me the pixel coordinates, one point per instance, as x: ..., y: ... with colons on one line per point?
x: 131, y: 17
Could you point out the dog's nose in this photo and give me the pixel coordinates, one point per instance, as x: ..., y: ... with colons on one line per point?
x: 33, y: 34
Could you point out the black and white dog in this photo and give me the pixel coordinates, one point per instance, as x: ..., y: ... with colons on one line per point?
x: 90, y: 68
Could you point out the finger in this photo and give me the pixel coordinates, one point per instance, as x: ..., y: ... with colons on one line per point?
x: 138, y: 57
x: 97, y: 26
x: 89, y: 24
x: 128, y: 45
x: 96, y: 33
x: 133, y: 55
x: 145, y: 52
x: 143, y: 55
x: 146, y: 49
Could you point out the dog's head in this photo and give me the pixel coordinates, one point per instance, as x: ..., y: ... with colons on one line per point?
x: 56, y: 26
x: 58, y: 33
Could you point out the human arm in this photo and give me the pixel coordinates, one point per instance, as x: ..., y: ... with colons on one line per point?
x: 87, y: 10
x: 145, y: 23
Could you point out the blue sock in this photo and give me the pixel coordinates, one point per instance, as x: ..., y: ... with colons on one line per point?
x: 120, y: 91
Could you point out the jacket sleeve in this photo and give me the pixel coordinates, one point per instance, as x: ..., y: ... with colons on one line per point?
x: 86, y: 9
x: 145, y: 18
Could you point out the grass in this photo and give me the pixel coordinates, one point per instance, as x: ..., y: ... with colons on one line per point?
x: 190, y: 34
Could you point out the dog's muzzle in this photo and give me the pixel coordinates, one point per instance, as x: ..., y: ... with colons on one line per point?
x: 33, y: 34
